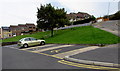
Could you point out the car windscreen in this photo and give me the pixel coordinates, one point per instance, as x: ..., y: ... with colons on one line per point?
x: 33, y: 39
x: 21, y: 39
x: 27, y: 39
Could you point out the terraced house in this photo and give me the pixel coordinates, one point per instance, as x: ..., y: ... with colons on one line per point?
x: 22, y: 29
x: 31, y: 27
x: 15, y: 30
x: 78, y: 16
x: 5, y: 32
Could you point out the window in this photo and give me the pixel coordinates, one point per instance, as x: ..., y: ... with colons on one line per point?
x: 33, y: 39
x: 34, y: 27
x: 27, y: 39
x: 30, y: 27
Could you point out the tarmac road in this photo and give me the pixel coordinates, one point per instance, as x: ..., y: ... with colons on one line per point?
x: 14, y: 58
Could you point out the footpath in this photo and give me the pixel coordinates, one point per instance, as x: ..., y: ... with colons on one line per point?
x: 109, y: 26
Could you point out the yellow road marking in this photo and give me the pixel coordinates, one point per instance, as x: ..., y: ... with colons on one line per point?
x: 76, y: 51
x: 37, y: 47
x: 56, y: 57
x: 61, y: 46
x: 45, y: 54
x: 85, y: 66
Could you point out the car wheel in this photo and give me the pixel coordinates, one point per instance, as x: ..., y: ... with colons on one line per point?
x: 25, y: 45
x: 42, y: 43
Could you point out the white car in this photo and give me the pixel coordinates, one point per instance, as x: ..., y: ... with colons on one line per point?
x: 30, y: 41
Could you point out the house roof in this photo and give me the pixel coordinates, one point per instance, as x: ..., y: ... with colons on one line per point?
x: 99, y: 18
x: 5, y: 28
x: 79, y: 14
x: 22, y: 25
x: 30, y: 24
x: 13, y: 26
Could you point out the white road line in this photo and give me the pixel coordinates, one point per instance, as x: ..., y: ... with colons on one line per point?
x: 37, y: 47
x: 76, y: 51
x: 61, y: 46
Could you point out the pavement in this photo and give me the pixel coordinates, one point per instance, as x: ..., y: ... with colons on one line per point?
x: 107, y: 56
x: 112, y: 26
x: 103, y: 54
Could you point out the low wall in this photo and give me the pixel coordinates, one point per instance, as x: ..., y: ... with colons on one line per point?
x: 8, y: 43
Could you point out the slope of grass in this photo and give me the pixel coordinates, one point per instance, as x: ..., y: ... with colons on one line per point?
x: 84, y: 35
x: 78, y: 35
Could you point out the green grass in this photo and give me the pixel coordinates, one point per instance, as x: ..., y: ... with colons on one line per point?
x: 77, y: 35
x: 35, y: 35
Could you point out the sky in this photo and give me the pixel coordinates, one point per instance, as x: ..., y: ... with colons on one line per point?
x: 14, y: 12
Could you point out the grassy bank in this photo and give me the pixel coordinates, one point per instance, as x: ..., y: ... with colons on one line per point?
x: 77, y: 35
x: 38, y: 35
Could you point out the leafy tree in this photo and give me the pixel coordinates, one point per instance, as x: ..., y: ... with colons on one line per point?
x: 49, y: 18
x: 115, y: 16
x: 92, y: 18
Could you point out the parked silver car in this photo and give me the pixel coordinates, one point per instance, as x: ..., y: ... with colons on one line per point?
x: 30, y: 41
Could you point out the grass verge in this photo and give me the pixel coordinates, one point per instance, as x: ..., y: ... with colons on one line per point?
x: 77, y: 35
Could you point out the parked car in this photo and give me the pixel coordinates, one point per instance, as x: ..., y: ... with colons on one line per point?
x: 30, y: 41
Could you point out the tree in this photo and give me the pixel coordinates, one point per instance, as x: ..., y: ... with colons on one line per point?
x: 49, y: 18
x: 115, y: 16
x: 93, y: 18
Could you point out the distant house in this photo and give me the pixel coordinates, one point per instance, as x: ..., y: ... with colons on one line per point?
x: 31, y: 27
x: 5, y: 32
x: 77, y: 16
x: 15, y: 30
x: 21, y: 29
x: 100, y: 19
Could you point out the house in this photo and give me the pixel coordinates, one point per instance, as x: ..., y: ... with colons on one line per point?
x: 77, y: 16
x: 16, y: 30
x: 31, y: 27
x: 23, y: 28
x: 100, y: 19
x: 5, y: 32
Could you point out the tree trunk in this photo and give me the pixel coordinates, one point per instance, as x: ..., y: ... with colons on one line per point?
x: 51, y: 32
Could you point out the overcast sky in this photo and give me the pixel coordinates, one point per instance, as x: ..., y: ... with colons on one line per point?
x: 14, y: 12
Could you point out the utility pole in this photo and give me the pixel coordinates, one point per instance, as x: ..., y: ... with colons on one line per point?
x: 119, y: 5
x: 108, y: 10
